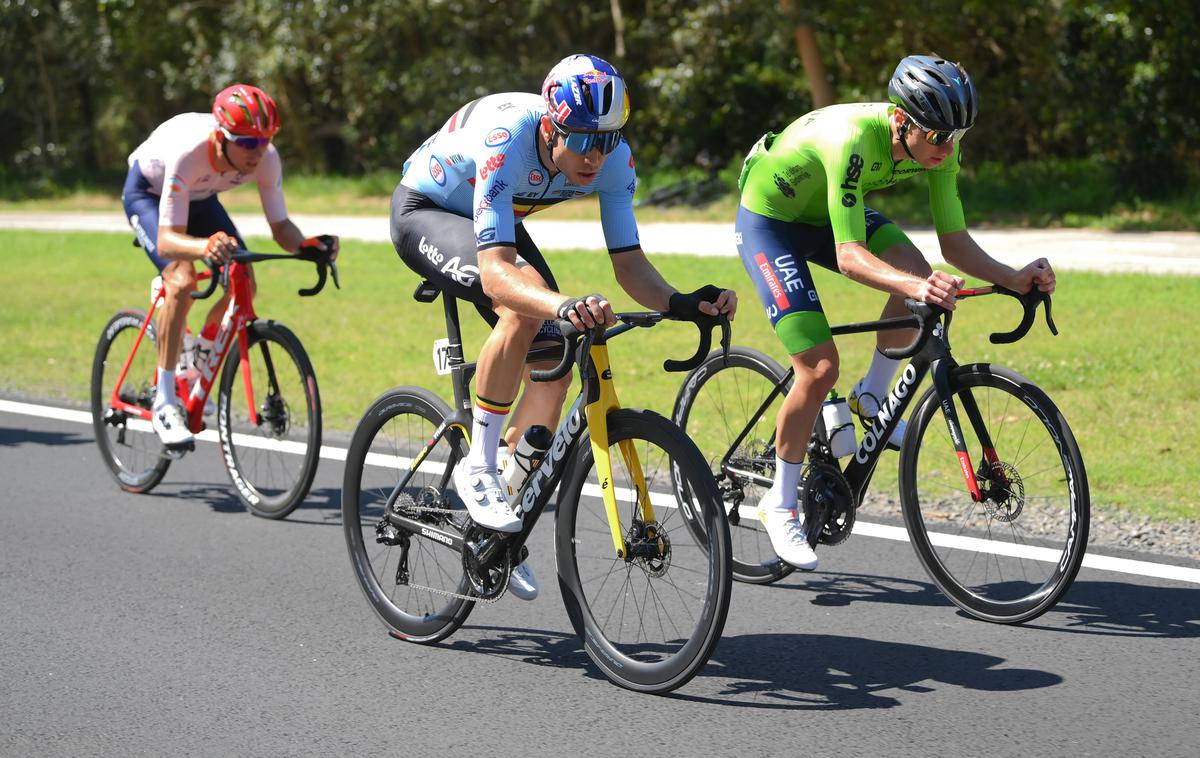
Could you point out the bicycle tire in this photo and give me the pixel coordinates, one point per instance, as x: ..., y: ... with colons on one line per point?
x: 393, y: 430
x: 1024, y: 547
x: 130, y: 449
x: 692, y: 573
x: 713, y: 407
x: 272, y: 463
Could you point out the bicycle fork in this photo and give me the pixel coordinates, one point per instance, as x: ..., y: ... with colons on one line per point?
x: 941, y: 380
x: 597, y: 412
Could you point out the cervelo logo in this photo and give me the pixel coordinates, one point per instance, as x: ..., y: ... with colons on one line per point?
x: 497, y: 137
x: 554, y: 456
x: 493, y: 163
x: 853, y: 174
x: 886, y: 412
x: 436, y: 171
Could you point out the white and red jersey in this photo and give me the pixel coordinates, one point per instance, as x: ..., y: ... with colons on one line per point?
x: 179, y: 161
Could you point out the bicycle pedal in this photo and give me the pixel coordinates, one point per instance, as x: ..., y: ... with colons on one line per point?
x: 176, y: 452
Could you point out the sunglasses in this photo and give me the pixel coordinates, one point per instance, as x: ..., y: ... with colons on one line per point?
x: 249, y: 143
x: 936, y: 137
x: 584, y: 142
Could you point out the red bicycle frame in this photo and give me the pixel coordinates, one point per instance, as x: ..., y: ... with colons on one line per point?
x: 239, y: 312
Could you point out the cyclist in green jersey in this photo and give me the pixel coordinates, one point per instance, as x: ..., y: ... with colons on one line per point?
x: 802, y: 200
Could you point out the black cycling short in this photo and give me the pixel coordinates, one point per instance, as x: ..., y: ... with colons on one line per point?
x: 440, y: 246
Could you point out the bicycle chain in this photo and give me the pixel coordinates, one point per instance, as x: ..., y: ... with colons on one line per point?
x: 436, y: 590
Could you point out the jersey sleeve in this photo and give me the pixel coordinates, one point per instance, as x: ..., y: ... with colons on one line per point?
x: 176, y: 192
x: 944, y: 201
x: 270, y: 186
x: 495, y: 179
x: 618, y: 185
x: 843, y: 162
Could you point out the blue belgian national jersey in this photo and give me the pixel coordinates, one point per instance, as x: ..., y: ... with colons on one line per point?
x: 484, y: 164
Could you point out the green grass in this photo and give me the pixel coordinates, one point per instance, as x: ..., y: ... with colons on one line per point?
x: 1071, y: 193
x: 1124, y: 369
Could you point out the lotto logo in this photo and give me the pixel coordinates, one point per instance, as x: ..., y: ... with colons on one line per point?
x: 493, y: 163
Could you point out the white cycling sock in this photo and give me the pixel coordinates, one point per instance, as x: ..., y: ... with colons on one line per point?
x: 166, y: 389
x: 488, y: 423
x: 783, y: 493
x: 878, y: 381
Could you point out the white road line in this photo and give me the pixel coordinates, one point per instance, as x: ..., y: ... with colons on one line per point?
x: 882, y: 531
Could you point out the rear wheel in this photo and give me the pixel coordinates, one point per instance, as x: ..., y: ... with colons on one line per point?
x: 649, y: 620
x: 273, y: 459
x: 716, y: 407
x: 1012, y: 556
x: 407, y: 576
x: 128, y: 444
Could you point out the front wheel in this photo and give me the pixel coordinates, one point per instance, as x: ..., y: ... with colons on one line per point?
x: 128, y: 444
x: 718, y: 406
x: 413, y: 581
x: 651, y: 619
x: 271, y: 458
x: 1010, y: 557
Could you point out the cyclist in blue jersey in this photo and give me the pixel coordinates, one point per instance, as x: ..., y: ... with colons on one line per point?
x: 456, y: 220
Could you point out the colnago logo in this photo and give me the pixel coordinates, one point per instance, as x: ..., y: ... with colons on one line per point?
x: 209, y: 369
x: 493, y: 163
x: 554, y: 456
x: 431, y: 534
x: 886, y: 412
x: 954, y: 435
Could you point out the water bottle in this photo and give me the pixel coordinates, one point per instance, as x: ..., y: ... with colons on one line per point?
x: 524, y: 459
x: 155, y: 287
x: 839, y: 426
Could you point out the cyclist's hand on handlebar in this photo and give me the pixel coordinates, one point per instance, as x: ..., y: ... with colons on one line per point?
x: 325, y: 243
x: 939, y: 288
x: 587, y: 312
x: 220, y: 246
x: 1038, y: 274
x: 709, y: 300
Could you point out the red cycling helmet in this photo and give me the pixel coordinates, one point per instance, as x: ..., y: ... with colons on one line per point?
x: 244, y: 110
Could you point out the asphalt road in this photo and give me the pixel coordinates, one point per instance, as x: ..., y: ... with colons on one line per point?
x: 176, y: 623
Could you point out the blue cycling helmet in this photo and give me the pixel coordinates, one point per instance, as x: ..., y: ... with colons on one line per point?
x: 935, y: 92
x: 585, y: 93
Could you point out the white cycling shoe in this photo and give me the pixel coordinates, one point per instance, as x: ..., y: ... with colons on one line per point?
x: 172, y: 429
x: 483, y: 494
x: 522, y: 583
x: 788, y: 538
x: 866, y: 407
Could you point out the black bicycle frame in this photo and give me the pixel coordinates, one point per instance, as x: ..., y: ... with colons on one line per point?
x: 932, y: 354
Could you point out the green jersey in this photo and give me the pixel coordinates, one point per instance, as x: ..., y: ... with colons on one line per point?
x: 819, y: 168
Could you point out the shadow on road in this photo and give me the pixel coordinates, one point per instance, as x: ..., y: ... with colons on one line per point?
x: 10, y: 437
x: 1127, y: 610
x: 1090, y: 607
x: 791, y: 671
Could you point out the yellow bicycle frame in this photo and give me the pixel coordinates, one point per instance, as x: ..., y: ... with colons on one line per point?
x: 596, y: 413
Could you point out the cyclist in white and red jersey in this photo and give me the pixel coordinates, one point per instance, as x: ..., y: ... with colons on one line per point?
x: 456, y: 220
x: 170, y: 198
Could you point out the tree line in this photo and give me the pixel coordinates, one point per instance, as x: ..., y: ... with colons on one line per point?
x: 360, y: 83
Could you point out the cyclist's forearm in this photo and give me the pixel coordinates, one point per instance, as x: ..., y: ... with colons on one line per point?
x: 175, y: 244
x: 641, y: 281
x: 960, y: 250
x: 287, y: 235
x: 863, y: 266
x: 503, y: 283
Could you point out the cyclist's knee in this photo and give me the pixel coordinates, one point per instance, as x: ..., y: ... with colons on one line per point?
x: 818, y: 367
x: 526, y: 327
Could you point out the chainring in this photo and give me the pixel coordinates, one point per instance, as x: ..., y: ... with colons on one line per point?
x: 825, y: 499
